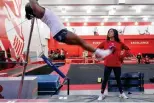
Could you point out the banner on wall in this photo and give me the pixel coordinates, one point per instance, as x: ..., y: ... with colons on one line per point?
x: 95, y: 42
x: 140, y: 45
x: 92, y: 42
x: 139, y: 42
x: 77, y: 50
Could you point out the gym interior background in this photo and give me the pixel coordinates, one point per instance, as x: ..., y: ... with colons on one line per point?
x: 91, y: 20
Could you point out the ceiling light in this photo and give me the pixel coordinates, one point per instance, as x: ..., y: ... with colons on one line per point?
x: 136, y: 23
x: 152, y: 23
x: 121, y: 1
x: 102, y: 23
x: 85, y: 23
x: 68, y: 24
x: 119, y: 23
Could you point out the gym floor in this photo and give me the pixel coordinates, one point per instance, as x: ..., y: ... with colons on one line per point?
x: 84, y: 86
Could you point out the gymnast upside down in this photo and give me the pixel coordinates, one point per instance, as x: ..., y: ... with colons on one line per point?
x: 58, y: 30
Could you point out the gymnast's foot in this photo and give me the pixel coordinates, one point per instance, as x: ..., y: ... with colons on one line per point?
x: 103, y: 53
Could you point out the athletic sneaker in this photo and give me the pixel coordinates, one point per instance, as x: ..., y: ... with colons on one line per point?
x: 101, y: 97
x: 102, y: 53
x: 123, y: 96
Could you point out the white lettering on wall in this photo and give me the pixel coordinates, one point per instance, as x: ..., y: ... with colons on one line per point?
x: 143, y: 42
x: 96, y: 43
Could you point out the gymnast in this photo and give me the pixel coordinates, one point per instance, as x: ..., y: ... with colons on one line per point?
x: 58, y: 30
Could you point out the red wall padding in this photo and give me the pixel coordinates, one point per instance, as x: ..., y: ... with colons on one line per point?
x: 137, y: 44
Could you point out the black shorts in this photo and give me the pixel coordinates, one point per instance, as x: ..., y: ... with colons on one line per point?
x: 61, y: 36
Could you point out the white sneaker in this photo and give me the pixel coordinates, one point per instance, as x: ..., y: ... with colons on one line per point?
x: 101, y: 97
x: 106, y: 92
x: 123, y: 96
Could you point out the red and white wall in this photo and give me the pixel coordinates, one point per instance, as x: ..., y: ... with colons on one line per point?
x: 15, y: 36
x: 137, y: 44
x: 11, y: 38
x: 14, y: 29
x: 138, y: 36
x: 125, y: 28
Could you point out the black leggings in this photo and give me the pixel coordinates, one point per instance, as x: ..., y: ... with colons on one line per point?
x: 117, y: 73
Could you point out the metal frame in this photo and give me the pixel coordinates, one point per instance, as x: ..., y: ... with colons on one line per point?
x: 66, y: 79
x: 27, y: 54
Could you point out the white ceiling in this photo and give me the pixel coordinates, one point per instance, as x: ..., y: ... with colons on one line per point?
x: 99, y: 10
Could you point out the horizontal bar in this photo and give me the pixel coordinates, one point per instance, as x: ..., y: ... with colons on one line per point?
x: 47, y: 61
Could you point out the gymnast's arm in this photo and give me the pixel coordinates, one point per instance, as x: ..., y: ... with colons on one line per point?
x: 37, y: 9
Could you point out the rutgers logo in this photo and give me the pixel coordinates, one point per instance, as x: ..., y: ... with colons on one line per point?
x: 11, y: 31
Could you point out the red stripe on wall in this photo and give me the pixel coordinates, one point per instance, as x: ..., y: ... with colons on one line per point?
x: 21, y: 48
x: 15, y: 39
x: 108, y: 23
x: 17, y: 47
x: 16, y: 44
x: 136, y: 43
x: 18, y: 50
